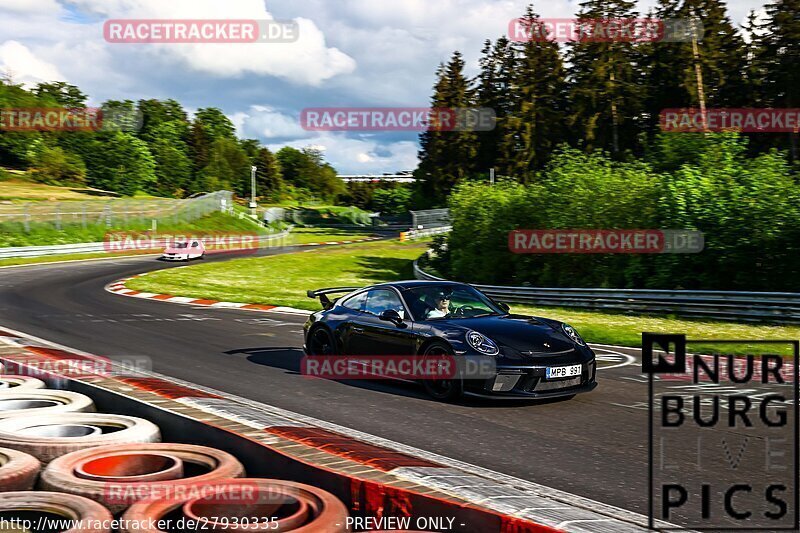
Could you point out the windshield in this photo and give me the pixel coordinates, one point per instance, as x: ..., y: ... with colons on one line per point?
x: 432, y: 302
x: 180, y: 245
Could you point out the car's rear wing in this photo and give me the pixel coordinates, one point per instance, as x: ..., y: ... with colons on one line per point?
x: 322, y: 294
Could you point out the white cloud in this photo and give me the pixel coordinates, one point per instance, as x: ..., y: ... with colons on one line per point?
x: 264, y: 123
x: 30, y: 6
x: 24, y: 66
x: 307, y: 61
x: 365, y: 155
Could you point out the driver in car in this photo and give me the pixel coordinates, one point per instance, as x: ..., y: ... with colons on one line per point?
x: 440, y: 305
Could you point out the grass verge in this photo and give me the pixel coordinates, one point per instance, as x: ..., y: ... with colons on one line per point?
x: 283, y: 280
x: 13, y: 234
x: 308, y: 235
x: 16, y: 189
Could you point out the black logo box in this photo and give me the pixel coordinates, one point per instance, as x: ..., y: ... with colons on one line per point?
x: 676, y: 364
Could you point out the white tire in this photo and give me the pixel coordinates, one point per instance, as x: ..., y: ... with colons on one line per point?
x: 49, y: 436
x: 89, y: 516
x: 43, y: 401
x: 10, y: 382
x: 18, y: 471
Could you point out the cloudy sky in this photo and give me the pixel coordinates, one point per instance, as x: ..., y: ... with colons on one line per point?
x: 350, y: 53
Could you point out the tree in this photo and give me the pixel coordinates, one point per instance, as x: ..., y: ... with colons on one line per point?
x: 606, y: 87
x: 228, y: 168
x: 54, y: 166
x: 62, y: 93
x: 17, y: 147
x: 783, y: 58
x: 120, y: 115
x: 536, y: 121
x: 447, y: 156
x: 709, y: 72
x: 199, y: 146
x: 121, y: 163
x: 307, y: 169
x: 216, y: 123
x: 494, y: 91
x: 155, y: 113
x: 395, y: 201
x: 173, y: 168
x: 269, y: 181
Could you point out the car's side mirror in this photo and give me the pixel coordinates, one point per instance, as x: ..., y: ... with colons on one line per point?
x: 390, y: 315
x: 504, y: 306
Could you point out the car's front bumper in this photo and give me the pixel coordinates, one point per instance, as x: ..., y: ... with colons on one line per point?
x: 174, y: 257
x: 511, y: 381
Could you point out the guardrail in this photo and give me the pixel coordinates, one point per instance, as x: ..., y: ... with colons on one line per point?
x: 420, y: 233
x: 777, y: 307
x: 94, y: 247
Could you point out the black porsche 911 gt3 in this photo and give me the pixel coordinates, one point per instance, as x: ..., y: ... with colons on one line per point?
x: 532, y: 357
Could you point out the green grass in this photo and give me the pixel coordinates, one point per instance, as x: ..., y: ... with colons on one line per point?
x: 307, y: 235
x: 283, y: 280
x: 63, y: 257
x: 626, y: 330
x: 13, y: 234
x: 17, y: 189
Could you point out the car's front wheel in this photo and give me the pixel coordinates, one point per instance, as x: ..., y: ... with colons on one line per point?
x: 443, y: 390
x: 320, y: 342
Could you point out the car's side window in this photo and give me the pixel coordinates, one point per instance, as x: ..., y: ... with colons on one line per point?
x: 381, y: 300
x: 194, y: 244
x: 356, y: 303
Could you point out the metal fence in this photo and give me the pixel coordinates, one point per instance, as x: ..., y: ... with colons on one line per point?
x: 776, y: 307
x: 115, y: 212
x: 430, y: 218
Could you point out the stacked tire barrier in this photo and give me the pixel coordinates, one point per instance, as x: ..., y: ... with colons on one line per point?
x: 91, y: 467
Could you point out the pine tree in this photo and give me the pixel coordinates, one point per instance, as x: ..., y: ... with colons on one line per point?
x: 721, y: 56
x: 494, y: 92
x: 536, y: 122
x: 447, y: 156
x: 606, y: 85
x: 712, y: 71
x: 783, y: 57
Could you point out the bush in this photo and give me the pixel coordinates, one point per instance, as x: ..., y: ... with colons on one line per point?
x: 392, y: 201
x: 748, y: 209
x: 54, y: 166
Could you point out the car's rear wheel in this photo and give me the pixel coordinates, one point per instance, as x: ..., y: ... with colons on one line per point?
x: 443, y: 390
x: 321, y: 342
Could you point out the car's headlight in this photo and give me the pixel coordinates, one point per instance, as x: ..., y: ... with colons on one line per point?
x: 481, y: 343
x: 573, y: 334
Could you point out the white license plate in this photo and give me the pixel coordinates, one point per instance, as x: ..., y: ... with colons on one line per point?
x: 555, y: 372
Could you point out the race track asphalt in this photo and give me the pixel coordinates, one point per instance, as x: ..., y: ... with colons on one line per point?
x: 594, y: 445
